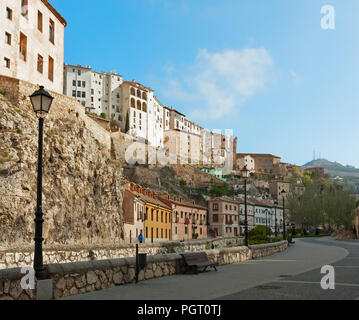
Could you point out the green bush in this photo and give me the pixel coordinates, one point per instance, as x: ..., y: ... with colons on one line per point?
x: 171, y: 249
x: 103, y: 115
x: 259, y: 233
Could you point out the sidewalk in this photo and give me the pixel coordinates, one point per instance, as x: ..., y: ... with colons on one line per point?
x: 229, y: 279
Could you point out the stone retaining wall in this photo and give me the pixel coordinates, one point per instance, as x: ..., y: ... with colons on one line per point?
x: 81, y: 277
x: 23, y: 256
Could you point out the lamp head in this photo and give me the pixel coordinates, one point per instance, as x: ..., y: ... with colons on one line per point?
x: 245, y: 172
x: 41, y: 102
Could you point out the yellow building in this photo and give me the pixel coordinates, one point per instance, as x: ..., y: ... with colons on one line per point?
x: 158, y: 220
x: 158, y: 216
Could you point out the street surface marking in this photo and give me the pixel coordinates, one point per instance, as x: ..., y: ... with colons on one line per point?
x: 314, y: 282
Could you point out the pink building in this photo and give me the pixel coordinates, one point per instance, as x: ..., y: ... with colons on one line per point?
x: 196, y: 214
x: 223, y: 217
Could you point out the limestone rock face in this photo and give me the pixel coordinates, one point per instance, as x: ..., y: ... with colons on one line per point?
x: 82, y: 185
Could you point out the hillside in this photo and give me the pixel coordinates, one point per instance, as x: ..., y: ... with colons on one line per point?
x: 82, y: 186
x: 334, y: 168
x: 349, y: 173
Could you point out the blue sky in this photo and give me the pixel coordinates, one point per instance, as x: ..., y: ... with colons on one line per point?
x: 265, y: 69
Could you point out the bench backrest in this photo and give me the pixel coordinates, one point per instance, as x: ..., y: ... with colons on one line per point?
x: 195, y: 257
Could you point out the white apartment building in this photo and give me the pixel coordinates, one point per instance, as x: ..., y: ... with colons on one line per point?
x: 248, y: 161
x: 32, y: 42
x: 155, y: 121
x: 98, y: 92
x: 273, y: 211
x: 144, y: 113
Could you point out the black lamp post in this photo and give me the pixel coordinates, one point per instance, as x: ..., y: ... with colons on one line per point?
x: 245, y: 175
x: 275, y: 218
x: 41, y: 102
x: 283, y: 192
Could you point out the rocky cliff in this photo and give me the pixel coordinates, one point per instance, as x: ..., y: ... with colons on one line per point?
x: 82, y: 186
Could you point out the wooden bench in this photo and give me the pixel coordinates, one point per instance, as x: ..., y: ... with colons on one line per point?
x: 197, y: 260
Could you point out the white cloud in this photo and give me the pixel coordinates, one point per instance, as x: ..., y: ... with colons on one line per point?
x: 218, y: 83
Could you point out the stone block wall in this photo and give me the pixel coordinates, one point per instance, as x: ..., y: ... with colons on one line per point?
x: 81, y: 277
x: 23, y: 256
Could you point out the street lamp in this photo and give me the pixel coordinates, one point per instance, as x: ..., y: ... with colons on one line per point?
x: 245, y: 175
x: 275, y: 218
x: 41, y: 102
x: 266, y: 212
x: 283, y: 192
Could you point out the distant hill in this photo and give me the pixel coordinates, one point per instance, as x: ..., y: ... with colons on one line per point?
x: 349, y: 173
x: 333, y: 168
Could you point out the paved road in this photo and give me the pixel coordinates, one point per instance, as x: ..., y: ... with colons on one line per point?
x: 291, y: 274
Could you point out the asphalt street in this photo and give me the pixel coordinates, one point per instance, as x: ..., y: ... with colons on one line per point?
x: 291, y: 274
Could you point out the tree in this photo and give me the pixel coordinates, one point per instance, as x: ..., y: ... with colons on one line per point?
x: 219, y: 191
x: 322, y: 203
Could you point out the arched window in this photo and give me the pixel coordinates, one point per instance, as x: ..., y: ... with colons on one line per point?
x: 144, y: 96
x: 133, y: 104
x: 144, y: 107
x: 133, y: 92
x: 138, y: 93
x: 138, y: 104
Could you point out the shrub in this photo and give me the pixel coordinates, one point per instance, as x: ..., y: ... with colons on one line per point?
x: 2, y: 91
x: 259, y: 233
x: 183, y: 183
x: 171, y: 249
x: 103, y: 115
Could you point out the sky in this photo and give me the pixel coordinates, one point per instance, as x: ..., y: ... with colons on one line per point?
x: 268, y: 70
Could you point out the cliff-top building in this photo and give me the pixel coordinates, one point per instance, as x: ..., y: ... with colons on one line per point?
x: 33, y: 46
x: 98, y: 92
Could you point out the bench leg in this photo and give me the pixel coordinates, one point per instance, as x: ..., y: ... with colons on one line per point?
x: 215, y: 268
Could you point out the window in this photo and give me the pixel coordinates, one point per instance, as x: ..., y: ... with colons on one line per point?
x: 74, y: 93
x: 161, y: 233
x: 79, y: 94
x: 175, y: 230
x: 79, y: 72
x: 186, y: 230
x: 156, y: 232
x: 9, y: 13
x: 7, y: 63
x: 161, y: 216
x: 39, y: 21
x: 83, y: 94
x: 51, y: 69
x: 166, y: 233
x: 157, y: 215
x: 23, y: 46
x: 215, y: 218
x: 83, y: 84
x: 215, y: 206
x: 74, y: 83
x: 52, y: 31
x: 79, y: 83
x: 92, y: 91
x: 24, y: 7
x: 8, y: 38
x: 40, y: 63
